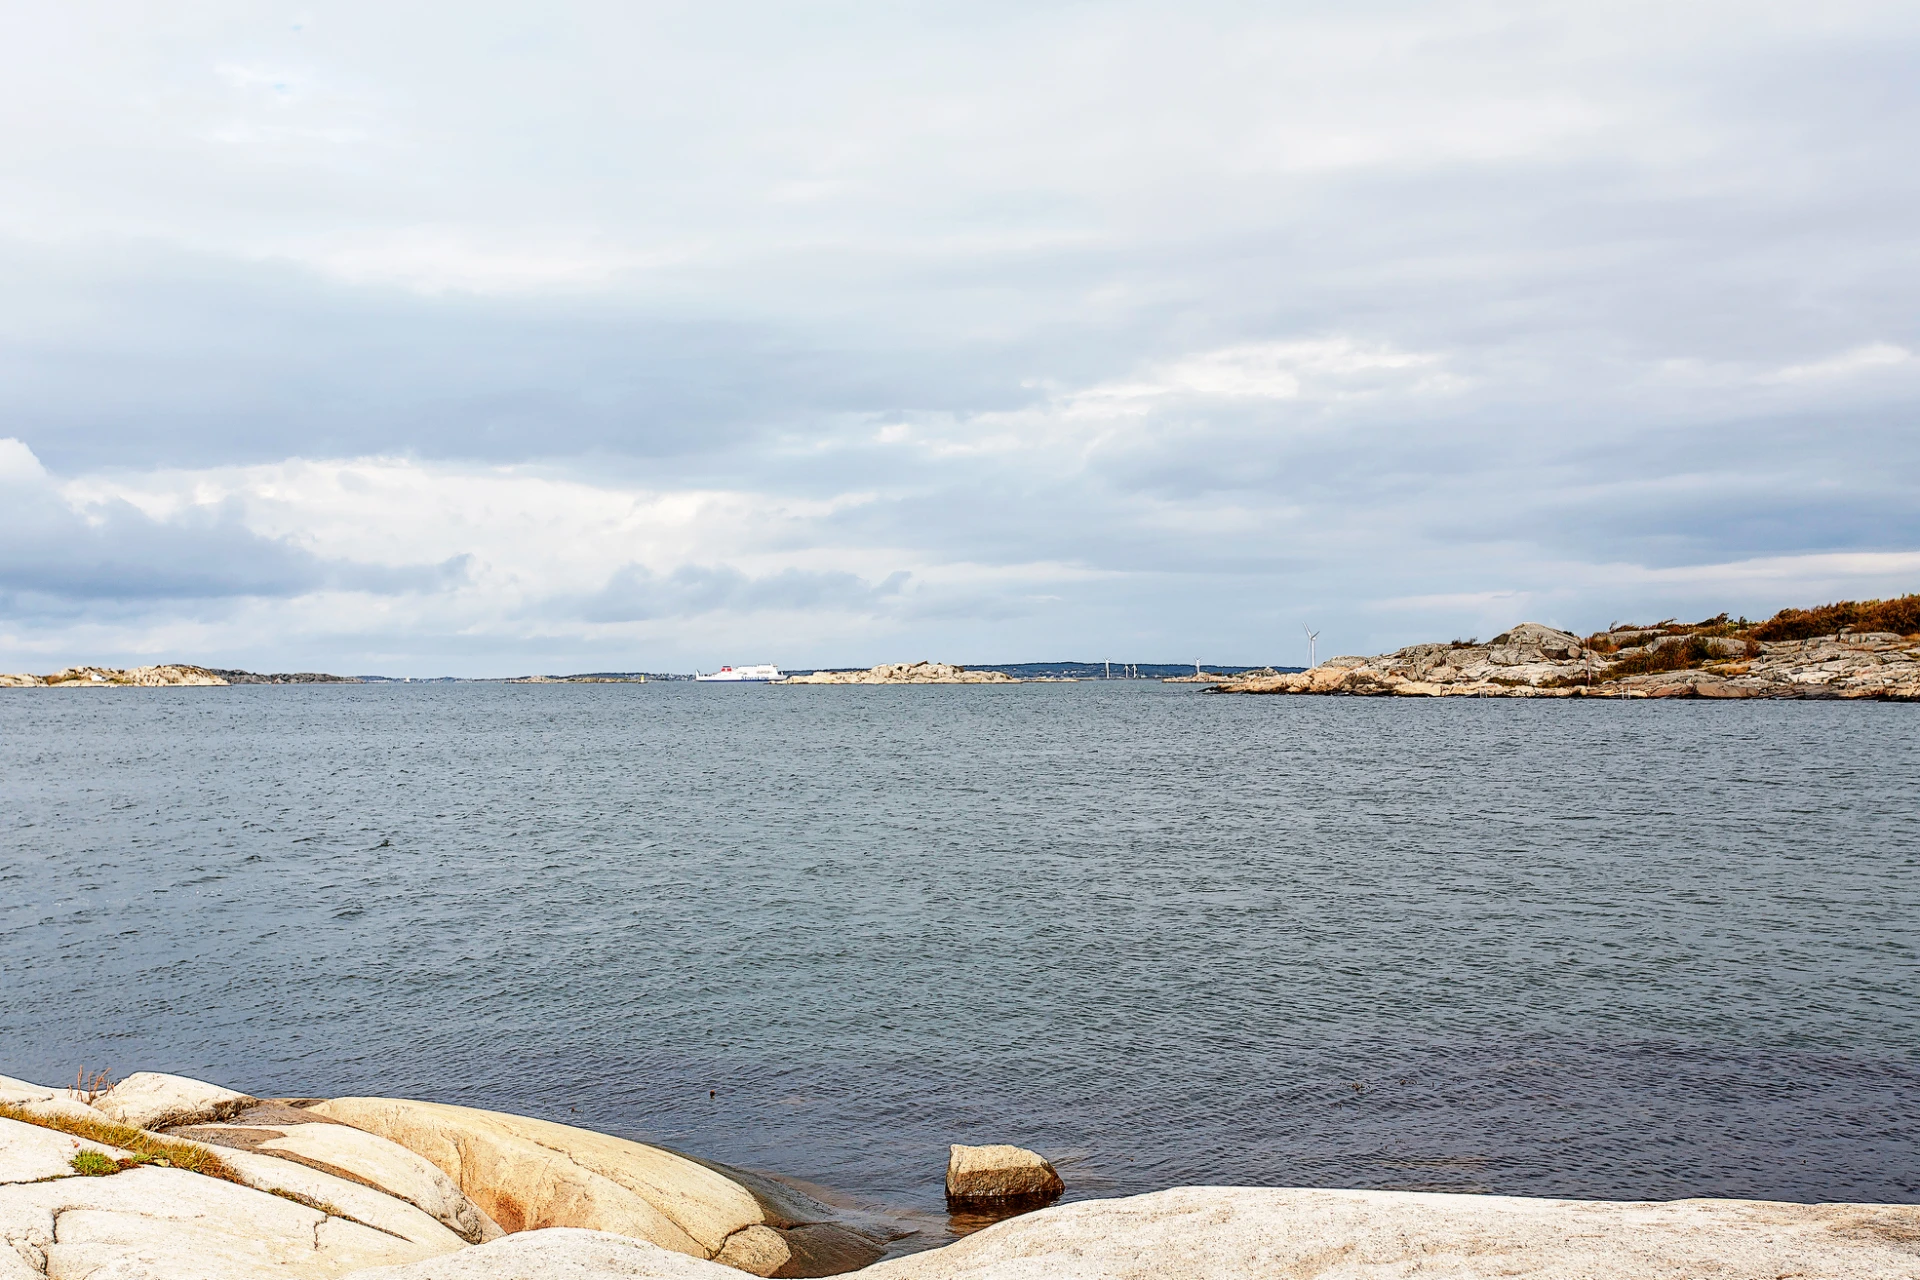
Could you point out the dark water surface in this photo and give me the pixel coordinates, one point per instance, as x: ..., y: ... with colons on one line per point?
x: 1615, y: 950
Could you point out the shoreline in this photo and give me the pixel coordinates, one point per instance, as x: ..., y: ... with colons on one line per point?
x: 1536, y: 661
x: 207, y: 1183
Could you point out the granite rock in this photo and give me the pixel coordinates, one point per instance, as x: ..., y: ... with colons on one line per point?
x: 30, y: 1153
x: 1000, y: 1173
x: 1240, y: 1233
x: 153, y: 1100
x: 168, y: 1224
x: 292, y: 1134
x: 557, y: 1253
x: 529, y: 1174
x: 114, y: 677
x: 44, y: 1100
x: 1535, y: 661
x: 342, y: 1198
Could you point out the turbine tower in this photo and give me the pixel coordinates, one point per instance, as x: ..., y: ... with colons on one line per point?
x: 1312, y: 649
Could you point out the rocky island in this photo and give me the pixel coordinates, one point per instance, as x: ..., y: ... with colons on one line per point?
x: 906, y: 673
x: 1853, y: 649
x: 115, y: 677
x: 167, y: 674
x: 158, y: 1177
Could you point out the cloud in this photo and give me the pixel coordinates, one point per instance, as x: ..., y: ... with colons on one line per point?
x: 1872, y: 357
x: 636, y: 593
x: 57, y: 555
x: 623, y: 339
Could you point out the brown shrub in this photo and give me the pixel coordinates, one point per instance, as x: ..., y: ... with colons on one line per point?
x: 1901, y: 615
x: 1691, y: 652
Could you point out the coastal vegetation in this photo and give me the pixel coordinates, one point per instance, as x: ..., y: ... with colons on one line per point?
x: 1677, y: 646
x: 1848, y: 649
x: 143, y: 1148
x: 1899, y: 616
x: 558, y: 1200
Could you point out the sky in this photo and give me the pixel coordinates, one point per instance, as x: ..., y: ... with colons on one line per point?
x: 489, y: 339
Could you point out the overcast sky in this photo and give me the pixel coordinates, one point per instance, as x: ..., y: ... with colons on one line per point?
x: 488, y: 339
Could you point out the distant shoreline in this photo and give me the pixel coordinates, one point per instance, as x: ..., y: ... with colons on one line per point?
x: 1712, y: 659
x: 1848, y: 649
x: 189, y: 675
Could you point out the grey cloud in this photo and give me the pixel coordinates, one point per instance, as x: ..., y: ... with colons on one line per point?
x: 635, y: 593
x: 53, y: 559
x: 1048, y: 198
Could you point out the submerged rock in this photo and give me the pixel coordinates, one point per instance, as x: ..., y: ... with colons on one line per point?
x: 1000, y: 1175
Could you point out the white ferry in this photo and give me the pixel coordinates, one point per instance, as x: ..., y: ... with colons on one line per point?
x: 761, y: 674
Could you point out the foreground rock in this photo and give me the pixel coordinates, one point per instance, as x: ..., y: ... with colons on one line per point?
x: 1238, y: 1233
x: 1535, y: 661
x: 528, y: 1174
x: 906, y: 673
x: 154, y: 1100
x: 1000, y: 1175
x: 1224, y: 1233
x: 43, y: 1100
x: 342, y: 1198
x: 154, y: 1223
x: 111, y: 677
x: 29, y: 1153
x: 295, y: 1135
x: 558, y: 1253
x: 676, y: 1218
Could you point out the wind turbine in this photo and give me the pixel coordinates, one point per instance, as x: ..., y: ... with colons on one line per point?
x: 1312, y: 651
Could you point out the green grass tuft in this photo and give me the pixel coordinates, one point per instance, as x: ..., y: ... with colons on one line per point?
x: 147, y: 1148
x: 94, y: 1164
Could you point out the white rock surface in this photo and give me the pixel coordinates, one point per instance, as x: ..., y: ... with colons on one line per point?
x: 558, y: 1253
x: 528, y: 1174
x: 362, y: 1204
x: 17, y: 1091
x: 1237, y: 1233
x: 153, y: 1100
x: 29, y: 1153
x: 60, y: 1106
x: 355, y: 1153
x: 168, y: 1224
x: 44, y: 1100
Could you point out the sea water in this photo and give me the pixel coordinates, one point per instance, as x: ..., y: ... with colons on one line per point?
x: 1623, y: 950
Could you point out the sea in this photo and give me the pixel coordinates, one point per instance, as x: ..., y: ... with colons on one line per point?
x: 1637, y: 950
